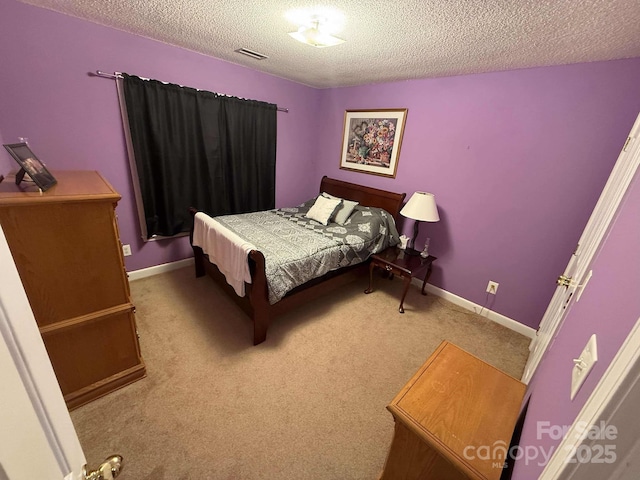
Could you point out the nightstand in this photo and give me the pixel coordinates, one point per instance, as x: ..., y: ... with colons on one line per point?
x: 396, y: 261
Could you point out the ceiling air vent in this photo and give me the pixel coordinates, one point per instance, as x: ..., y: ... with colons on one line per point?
x: 251, y: 53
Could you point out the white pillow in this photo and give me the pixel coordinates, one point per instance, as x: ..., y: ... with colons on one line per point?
x: 323, y: 209
x: 344, y: 210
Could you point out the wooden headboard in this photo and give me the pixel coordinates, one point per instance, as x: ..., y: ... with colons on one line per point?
x: 367, y: 196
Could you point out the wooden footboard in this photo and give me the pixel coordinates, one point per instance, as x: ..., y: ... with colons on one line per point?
x: 256, y: 304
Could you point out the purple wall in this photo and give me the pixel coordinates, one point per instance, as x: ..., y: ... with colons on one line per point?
x: 73, y: 121
x: 609, y: 307
x: 516, y: 159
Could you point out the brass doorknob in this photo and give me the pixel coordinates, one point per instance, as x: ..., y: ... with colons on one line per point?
x: 563, y: 281
x: 108, y: 470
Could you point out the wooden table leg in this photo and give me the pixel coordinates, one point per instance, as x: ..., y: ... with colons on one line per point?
x: 426, y: 278
x: 370, y: 288
x: 407, y: 282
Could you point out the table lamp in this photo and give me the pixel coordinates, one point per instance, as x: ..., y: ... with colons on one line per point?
x: 421, y: 207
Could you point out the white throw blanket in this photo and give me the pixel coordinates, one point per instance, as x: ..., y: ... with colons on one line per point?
x: 226, y: 249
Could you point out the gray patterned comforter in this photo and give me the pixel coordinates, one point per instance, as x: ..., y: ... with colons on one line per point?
x: 297, y: 249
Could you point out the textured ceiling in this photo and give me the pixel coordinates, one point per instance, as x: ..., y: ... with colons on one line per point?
x: 385, y: 40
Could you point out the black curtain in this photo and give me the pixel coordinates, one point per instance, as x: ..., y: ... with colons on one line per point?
x: 200, y: 149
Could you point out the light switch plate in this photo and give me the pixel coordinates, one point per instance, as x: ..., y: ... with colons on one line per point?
x: 583, y: 365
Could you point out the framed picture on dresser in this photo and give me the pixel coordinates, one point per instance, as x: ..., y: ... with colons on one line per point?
x: 31, y: 166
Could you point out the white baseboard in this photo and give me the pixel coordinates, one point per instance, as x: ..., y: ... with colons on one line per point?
x: 455, y: 299
x: 474, y: 307
x: 157, y: 269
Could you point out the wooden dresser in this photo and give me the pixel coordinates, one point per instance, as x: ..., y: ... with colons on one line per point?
x: 453, y: 420
x: 67, y: 250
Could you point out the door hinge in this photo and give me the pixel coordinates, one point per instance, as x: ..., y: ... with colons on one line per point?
x: 563, y: 281
x: 626, y: 144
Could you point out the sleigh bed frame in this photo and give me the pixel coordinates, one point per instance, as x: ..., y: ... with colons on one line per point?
x: 255, y: 302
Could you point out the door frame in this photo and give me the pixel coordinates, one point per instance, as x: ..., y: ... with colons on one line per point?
x: 590, y: 241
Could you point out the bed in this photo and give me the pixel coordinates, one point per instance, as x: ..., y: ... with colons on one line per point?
x: 255, y: 296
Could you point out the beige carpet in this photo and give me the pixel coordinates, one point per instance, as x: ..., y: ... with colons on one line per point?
x: 309, y: 403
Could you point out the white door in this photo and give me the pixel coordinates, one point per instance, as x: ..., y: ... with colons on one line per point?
x: 38, y: 440
x: 576, y: 274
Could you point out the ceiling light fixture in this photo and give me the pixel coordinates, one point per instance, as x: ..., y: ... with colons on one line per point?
x: 315, y: 35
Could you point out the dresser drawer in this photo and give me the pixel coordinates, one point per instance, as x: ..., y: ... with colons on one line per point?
x: 93, y: 351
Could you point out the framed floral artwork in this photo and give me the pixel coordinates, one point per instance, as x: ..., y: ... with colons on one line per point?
x: 371, y: 140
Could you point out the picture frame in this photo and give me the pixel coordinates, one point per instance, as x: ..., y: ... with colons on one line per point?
x: 371, y: 140
x: 31, y: 166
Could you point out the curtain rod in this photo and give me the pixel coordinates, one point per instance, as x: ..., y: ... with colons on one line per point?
x: 115, y: 75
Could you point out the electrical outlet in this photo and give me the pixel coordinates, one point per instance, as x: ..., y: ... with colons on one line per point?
x: 583, y: 365
x: 492, y: 287
x: 126, y: 250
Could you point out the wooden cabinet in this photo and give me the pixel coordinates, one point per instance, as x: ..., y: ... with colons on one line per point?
x: 453, y: 420
x: 67, y: 250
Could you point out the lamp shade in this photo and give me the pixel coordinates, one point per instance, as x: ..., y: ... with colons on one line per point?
x: 421, y: 206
